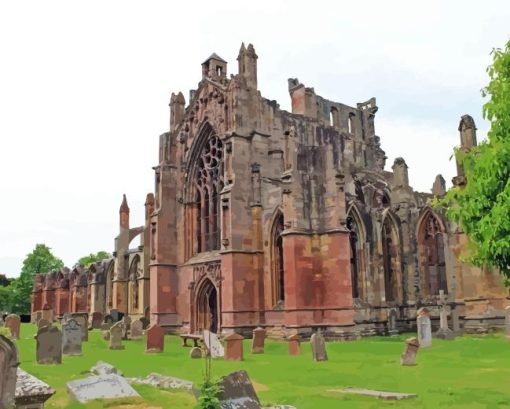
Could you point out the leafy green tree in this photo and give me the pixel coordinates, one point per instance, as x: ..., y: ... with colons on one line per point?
x: 4, y: 281
x: 92, y: 258
x: 482, y: 207
x: 41, y: 260
x: 5, y: 298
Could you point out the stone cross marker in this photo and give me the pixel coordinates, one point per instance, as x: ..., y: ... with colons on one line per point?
x: 294, y: 346
x: 49, y: 345
x: 259, y: 337
x: 234, y: 347
x: 155, y: 341
x: 71, y: 337
x: 408, y: 357
x: 238, y: 392
x: 318, y: 347
x: 424, y: 327
x: 116, y: 335
x: 444, y: 332
x: 136, y: 329
x: 213, y: 344
x: 13, y: 322
x: 8, y: 368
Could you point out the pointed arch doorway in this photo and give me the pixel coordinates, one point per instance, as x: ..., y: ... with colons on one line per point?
x: 206, y: 307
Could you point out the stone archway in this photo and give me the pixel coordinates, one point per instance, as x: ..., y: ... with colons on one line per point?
x: 206, y: 307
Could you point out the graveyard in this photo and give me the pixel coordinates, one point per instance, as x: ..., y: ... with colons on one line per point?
x: 466, y: 372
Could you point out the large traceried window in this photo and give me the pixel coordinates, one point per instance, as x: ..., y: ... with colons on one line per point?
x: 209, y: 183
x: 356, y: 256
x: 278, y: 272
x: 432, y: 255
x: 390, y: 260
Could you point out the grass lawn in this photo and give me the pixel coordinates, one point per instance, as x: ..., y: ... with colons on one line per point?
x: 468, y: 372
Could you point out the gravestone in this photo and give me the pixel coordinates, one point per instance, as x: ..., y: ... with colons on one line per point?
x: 43, y: 323
x: 424, y: 326
x: 237, y: 392
x: 126, y: 320
x: 108, y: 319
x: 392, y: 322
x: 408, y: 357
x: 116, y: 335
x: 318, y: 345
x: 443, y: 332
x: 507, y: 322
x: 82, y: 318
x: 31, y: 392
x: 47, y: 313
x: 259, y: 337
x: 100, y: 387
x: 195, y: 352
x: 37, y: 317
x: 136, y: 329
x: 155, y: 339
x: 213, y: 344
x: 96, y: 320
x: 106, y: 335
x: 145, y: 323
x: 234, y: 347
x: 49, y: 345
x: 71, y: 337
x: 13, y: 322
x: 294, y: 346
x: 115, y: 315
x: 8, y: 366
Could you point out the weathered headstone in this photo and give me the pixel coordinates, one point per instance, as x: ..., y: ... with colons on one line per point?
x: 155, y: 339
x: 116, y: 336
x: 13, y: 322
x: 71, y: 337
x: 136, y: 329
x: 238, y: 392
x: 507, y: 322
x: 424, y: 327
x: 31, y: 392
x: 145, y: 323
x: 259, y: 337
x: 195, y: 352
x: 82, y: 318
x: 392, y: 322
x: 126, y: 320
x: 43, y: 323
x: 294, y: 346
x: 47, y: 313
x: 108, y: 319
x: 96, y: 320
x: 106, y: 335
x: 318, y: 345
x: 8, y: 366
x: 213, y: 344
x: 49, y: 345
x: 115, y: 315
x: 234, y: 347
x: 100, y: 387
x: 408, y: 357
x: 104, y: 368
x: 443, y: 332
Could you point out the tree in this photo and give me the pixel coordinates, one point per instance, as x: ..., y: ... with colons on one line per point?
x: 482, y: 207
x: 41, y: 260
x: 92, y: 258
x: 4, y: 281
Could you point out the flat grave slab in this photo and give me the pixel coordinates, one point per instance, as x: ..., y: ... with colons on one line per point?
x: 100, y: 387
x: 376, y: 394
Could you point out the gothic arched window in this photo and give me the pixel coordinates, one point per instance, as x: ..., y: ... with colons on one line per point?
x: 390, y: 262
x: 432, y: 255
x: 277, y: 265
x: 356, y: 262
x: 209, y: 182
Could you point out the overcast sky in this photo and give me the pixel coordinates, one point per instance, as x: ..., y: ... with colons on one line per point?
x: 85, y: 86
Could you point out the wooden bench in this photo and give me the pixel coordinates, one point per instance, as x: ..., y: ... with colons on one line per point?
x: 195, y: 337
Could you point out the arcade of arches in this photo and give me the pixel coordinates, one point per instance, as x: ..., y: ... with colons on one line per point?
x: 286, y: 220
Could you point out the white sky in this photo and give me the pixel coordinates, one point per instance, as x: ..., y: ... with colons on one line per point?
x: 85, y: 85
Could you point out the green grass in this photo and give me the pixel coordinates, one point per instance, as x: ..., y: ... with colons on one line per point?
x: 468, y: 372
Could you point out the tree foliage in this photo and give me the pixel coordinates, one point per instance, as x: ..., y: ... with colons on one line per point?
x: 92, y: 258
x: 40, y: 260
x: 482, y: 207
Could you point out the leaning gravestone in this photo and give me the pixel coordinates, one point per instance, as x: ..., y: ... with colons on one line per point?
x: 136, y: 329
x: 259, y: 336
x: 116, y: 335
x: 8, y: 367
x: 13, y: 322
x: 155, y: 339
x: 408, y: 357
x: 318, y: 347
x: 237, y: 392
x: 71, y: 338
x: 213, y: 344
x: 424, y: 327
x: 100, y: 387
x: 49, y: 345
